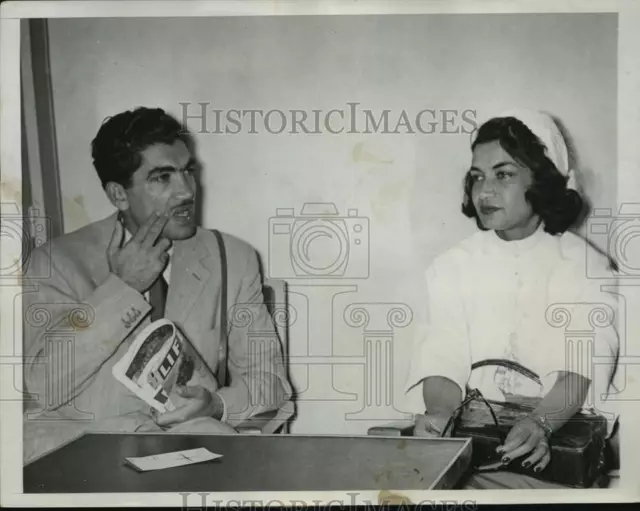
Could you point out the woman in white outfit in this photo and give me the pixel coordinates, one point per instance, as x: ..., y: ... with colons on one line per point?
x: 500, y: 294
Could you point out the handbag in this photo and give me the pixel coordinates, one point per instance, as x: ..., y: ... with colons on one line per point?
x: 577, y: 448
x: 224, y: 338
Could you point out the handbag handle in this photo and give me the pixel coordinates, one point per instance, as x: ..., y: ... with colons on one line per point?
x: 224, y: 340
x: 473, y: 394
x: 509, y: 364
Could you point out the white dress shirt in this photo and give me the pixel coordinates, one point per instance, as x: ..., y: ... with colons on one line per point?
x: 489, y: 298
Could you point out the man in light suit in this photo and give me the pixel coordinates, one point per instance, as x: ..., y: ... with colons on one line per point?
x: 100, y: 285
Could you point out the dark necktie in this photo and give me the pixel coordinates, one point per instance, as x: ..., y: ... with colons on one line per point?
x: 158, y: 297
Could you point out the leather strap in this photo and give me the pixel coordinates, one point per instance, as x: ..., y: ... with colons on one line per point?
x: 475, y: 394
x: 224, y: 339
x: 510, y: 364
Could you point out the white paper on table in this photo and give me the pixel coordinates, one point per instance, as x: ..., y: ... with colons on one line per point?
x: 172, y: 459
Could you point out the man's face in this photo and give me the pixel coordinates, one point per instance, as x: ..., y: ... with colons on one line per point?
x: 165, y: 182
x: 498, y: 193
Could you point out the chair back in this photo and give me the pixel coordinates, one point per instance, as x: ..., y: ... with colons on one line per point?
x: 276, y: 300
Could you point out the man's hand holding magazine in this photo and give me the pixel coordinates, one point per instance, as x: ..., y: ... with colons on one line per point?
x: 165, y: 370
x: 195, y: 401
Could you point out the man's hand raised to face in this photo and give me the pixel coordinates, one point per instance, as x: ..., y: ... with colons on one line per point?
x: 141, y: 259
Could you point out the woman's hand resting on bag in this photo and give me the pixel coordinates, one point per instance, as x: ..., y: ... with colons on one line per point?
x: 527, y: 437
x: 429, y: 425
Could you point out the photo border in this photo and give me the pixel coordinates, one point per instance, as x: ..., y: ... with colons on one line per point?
x: 628, y: 158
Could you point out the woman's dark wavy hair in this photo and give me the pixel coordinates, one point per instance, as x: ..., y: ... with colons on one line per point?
x: 557, y: 206
x: 120, y: 140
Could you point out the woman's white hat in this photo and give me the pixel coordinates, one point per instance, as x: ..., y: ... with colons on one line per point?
x: 545, y: 128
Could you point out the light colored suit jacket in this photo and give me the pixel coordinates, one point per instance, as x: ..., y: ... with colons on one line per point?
x: 79, y: 319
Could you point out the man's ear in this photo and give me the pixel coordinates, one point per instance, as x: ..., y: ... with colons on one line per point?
x: 117, y: 195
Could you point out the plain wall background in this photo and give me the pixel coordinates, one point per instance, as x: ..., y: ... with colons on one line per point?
x: 408, y: 186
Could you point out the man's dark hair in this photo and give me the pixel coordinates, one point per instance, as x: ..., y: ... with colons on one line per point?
x: 117, y: 146
x: 557, y: 206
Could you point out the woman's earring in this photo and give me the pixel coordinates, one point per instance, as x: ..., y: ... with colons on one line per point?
x: 572, y: 184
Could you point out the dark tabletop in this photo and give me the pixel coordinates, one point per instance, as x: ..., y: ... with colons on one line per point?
x: 96, y: 463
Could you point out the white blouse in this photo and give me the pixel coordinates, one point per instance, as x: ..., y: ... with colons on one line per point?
x: 529, y: 301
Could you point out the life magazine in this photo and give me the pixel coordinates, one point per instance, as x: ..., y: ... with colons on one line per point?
x: 159, y: 359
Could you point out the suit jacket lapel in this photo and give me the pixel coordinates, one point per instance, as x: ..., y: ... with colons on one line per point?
x: 191, y: 265
x: 191, y: 268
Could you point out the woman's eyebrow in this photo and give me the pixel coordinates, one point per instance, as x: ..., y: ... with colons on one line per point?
x: 504, y: 164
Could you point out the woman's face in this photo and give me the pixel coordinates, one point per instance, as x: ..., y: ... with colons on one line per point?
x: 499, y: 185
